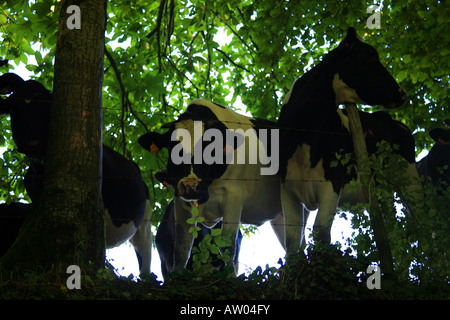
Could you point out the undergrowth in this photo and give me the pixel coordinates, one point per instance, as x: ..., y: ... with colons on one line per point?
x: 324, y: 273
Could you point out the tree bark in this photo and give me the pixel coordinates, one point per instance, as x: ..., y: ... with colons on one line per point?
x: 67, y: 225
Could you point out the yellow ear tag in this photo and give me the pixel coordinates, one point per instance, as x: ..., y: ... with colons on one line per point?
x: 5, y: 90
x: 227, y: 149
x: 154, y: 148
x: 440, y: 140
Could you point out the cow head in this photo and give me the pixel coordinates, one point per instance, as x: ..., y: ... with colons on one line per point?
x: 440, y: 135
x: 360, y: 77
x: 10, y: 82
x: 198, y: 152
x: 29, y: 106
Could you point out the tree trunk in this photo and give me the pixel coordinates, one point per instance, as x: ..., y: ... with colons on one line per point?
x: 67, y: 225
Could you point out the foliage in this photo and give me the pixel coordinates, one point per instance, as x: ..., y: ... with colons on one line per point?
x: 416, y: 219
x: 162, y: 54
x: 325, y: 273
x: 214, y: 244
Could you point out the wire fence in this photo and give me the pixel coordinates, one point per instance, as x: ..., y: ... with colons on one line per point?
x: 15, y: 217
x: 267, y: 125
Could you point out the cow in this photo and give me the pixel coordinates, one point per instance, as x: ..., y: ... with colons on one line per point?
x: 435, y: 167
x: 203, y: 172
x: 314, y: 129
x: 125, y: 195
x: 165, y: 241
x: 29, y: 109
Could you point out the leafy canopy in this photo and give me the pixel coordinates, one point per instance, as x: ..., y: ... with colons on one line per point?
x: 162, y: 54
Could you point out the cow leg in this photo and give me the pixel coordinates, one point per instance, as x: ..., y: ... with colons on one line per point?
x: 183, y: 238
x: 142, y: 241
x: 294, y: 219
x: 412, y: 195
x: 328, y: 201
x: 278, y: 227
x: 414, y: 187
x: 230, y: 226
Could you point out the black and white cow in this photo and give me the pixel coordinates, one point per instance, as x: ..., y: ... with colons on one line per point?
x: 165, y: 242
x: 227, y: 181
x: 125, y: 195
x: 435, y: 167
x: 314, y: 129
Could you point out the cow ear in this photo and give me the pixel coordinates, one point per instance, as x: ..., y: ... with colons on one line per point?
x: 162, y: 176
x: 10, y: 82
x: 228, y: 149
x: 5, y: 90
x: 154, y: 148
x: 236, y: 140
x: 439, y: 135
x: 153, y: 141
x: 349, y: 39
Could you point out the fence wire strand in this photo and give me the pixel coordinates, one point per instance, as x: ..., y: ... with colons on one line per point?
x: 266, y: 126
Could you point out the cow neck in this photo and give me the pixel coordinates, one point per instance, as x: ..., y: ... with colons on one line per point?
x: 310, y: 110
x: 312, y: 97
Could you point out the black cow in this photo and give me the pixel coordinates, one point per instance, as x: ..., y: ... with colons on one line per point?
x: 435, y: 167
x: 12, y: 217
x: 165, y: 241
x: 227, y: 181
x: 314, y: 129
x: 125, y: 195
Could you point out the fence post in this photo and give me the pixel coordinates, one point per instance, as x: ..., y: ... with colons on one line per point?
x: 363, y: 170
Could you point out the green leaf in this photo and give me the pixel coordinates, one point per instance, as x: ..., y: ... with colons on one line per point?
x: 200, y: 219
x: 191, y: 221
x: 194, y: 212
x: 402, y: 75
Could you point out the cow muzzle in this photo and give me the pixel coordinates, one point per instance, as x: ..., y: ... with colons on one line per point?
x: 189, y: 191
x: 188, y: 186
x: 399, y: 102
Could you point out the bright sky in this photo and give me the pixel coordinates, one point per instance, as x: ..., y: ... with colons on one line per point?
x: 259, y: 249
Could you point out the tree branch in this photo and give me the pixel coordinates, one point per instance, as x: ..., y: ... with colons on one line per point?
x: 170, y: 25
x: 182, y: 74
x: 232, y: 62
x: 158, y: 19
x: 236, y: 34
x: 122, y: 89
